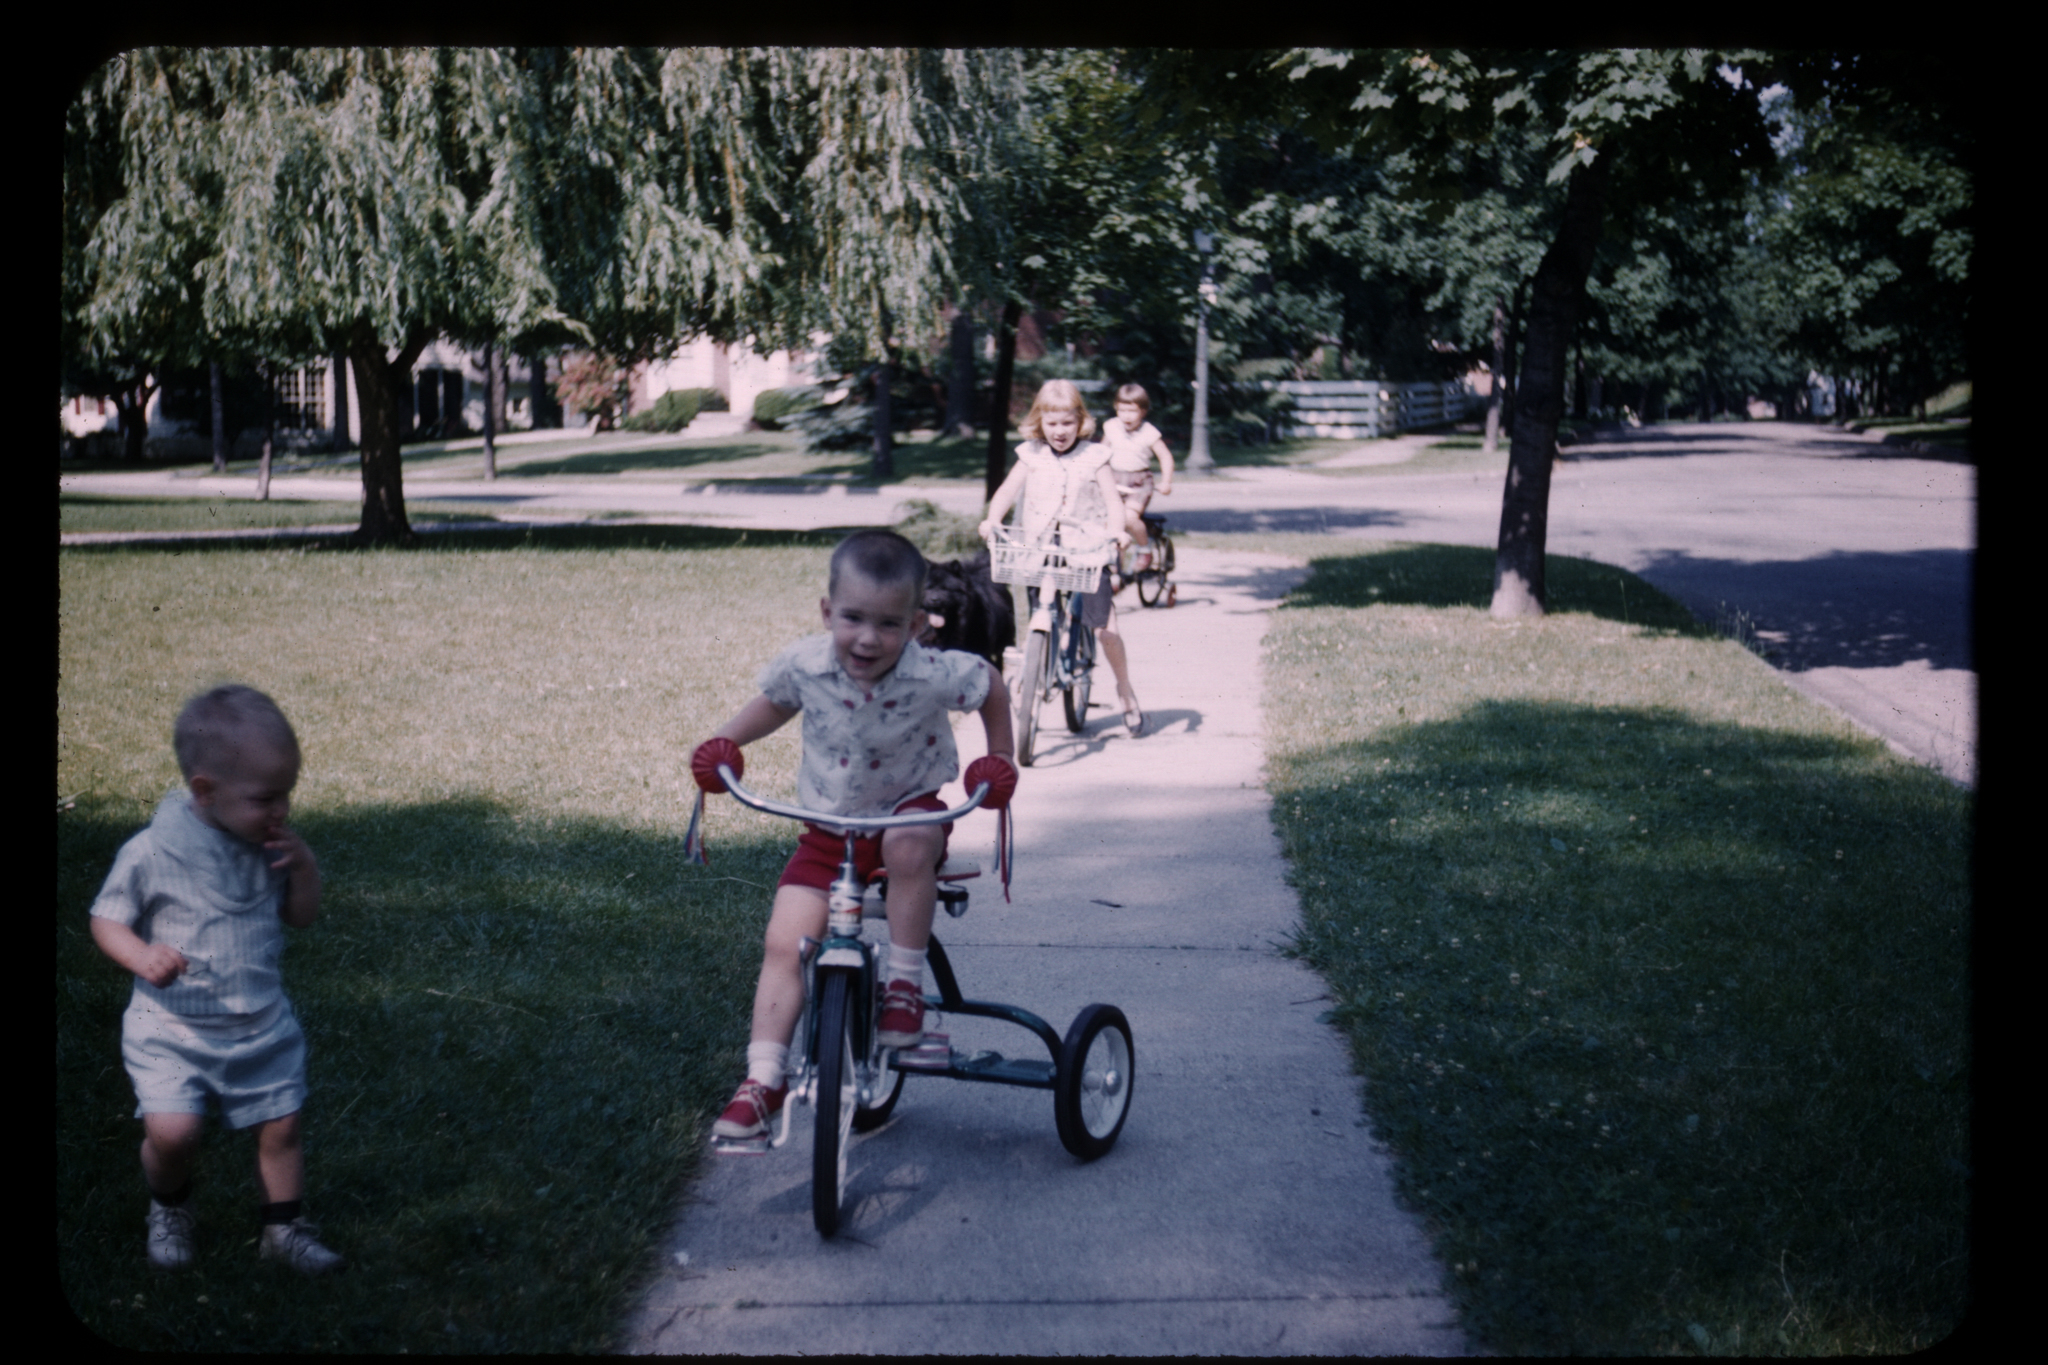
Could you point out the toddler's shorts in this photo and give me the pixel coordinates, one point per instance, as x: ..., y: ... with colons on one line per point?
x: 253, y: 1066
x: 818, y: 851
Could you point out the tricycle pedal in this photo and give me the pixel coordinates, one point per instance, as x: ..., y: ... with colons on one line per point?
x: 753, y: 1146
x: 935, y: 1053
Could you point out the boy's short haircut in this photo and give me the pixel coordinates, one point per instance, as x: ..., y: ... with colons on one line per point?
x: 214, y: 724
x: 1057, y: 395
x: 883, y: 558
x: 1135, y: 393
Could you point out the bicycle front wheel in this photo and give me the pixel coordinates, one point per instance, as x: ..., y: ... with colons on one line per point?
x: 838, y: 1097
x: 1083, y: 660
x: 1030, y: 688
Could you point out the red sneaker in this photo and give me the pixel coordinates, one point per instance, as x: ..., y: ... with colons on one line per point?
x: 751, y: 1108
x: 902, y: 1015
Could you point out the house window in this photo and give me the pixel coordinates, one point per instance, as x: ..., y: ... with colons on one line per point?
x: 302, y: 399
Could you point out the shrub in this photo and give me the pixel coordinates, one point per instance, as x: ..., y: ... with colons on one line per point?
x: 939, y: 534
x: 592, y: 384
x: 772, y: 407
x: 676, y: 409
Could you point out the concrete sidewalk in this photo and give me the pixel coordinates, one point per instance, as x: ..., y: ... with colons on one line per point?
x: 1245, y: 1210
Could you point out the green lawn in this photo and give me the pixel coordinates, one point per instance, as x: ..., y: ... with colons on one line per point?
x: 524, y: 1009
x: 1656, y: 972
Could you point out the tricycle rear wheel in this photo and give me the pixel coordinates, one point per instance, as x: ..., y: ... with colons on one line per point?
x: 1092, y: 1096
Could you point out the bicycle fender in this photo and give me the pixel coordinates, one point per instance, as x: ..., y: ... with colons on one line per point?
x: 842, y: 957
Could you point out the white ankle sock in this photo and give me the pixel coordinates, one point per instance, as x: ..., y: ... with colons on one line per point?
x: 907, y: 964
x: 766, y: 1062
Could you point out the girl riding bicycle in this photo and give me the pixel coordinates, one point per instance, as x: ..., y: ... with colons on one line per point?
x: 1062, y: 476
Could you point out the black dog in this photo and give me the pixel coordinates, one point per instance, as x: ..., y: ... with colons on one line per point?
x: 973, y: 611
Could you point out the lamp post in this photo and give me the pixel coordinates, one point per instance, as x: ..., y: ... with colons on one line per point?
x: 1198, y: 442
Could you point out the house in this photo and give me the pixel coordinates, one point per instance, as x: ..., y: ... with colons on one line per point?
x: 317, y: 409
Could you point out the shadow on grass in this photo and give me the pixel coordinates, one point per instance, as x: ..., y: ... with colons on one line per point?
x: 1666, y: 1021
x: 1462, y: 576
x: 518, y: 1030
x: 642, y: 459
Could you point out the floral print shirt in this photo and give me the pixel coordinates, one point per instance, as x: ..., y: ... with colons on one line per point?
x: 868, y: 749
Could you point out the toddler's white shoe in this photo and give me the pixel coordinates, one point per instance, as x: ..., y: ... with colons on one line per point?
x: 298, y: 1245
x: 170, y: 1237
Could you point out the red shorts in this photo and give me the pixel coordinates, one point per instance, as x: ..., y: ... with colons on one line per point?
x: 818, y: 854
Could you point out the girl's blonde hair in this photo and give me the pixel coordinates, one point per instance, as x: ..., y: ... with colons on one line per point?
x: 1057, y: 395
x: 1135, y: 393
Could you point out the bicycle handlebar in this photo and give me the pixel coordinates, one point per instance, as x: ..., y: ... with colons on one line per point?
x: 853, y: 822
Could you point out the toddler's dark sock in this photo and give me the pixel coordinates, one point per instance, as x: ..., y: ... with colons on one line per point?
x: 281, y: 1212
x: 176, y: 1197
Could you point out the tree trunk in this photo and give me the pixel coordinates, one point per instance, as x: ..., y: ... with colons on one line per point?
x: 132, y: 407
x: 220, y: 421
x: 1512, y: 365
x: 269, y: 433
x: 960, y: 384
x: 1518, y: 584
x: 341, y: 436
x: 998, y: 463
x: 490, y: 412
x: 883, y: 418
x: 381, y: 386
x: 1497, y: 394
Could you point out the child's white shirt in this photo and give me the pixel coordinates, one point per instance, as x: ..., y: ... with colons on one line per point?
x: 1130, y: 452
x: 869, y: 748
x: 1062, y: 487
x: 211, y: 896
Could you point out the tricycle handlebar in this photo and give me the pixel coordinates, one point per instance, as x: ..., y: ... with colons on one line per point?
x: 864, y: 823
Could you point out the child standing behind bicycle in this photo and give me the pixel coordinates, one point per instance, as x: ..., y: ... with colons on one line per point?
x: 1132, y: 443
x: 1062, y: 476
x: 877, y: 740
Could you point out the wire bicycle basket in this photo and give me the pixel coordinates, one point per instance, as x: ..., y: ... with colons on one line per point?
x: 1047, y: 564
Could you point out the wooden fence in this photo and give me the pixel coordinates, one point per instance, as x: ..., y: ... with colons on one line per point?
x: 1362, y: 408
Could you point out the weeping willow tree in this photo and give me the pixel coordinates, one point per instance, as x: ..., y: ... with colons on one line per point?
x: 294, y: 203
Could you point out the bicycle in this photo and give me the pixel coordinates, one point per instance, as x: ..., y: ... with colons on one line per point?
x: 1153, y: 581
x: 838, y: 1067
x: 1059, y: 646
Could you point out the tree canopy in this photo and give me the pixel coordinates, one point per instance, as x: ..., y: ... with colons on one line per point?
x: 1372, y: 209
x: 302, y: 202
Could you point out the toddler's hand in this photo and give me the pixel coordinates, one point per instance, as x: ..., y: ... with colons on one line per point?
x: 712, y: 752
x: 999, y: 773
x: 293, y: 855
x: 986, y: 530
x: 160, y: 964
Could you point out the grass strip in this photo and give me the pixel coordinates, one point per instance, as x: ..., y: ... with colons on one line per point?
x: 1656, y: 972
x: 523, y: 1009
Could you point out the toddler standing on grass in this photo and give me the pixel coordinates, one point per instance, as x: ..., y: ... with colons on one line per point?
x: 195, y: 907
x: 877, y: 740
